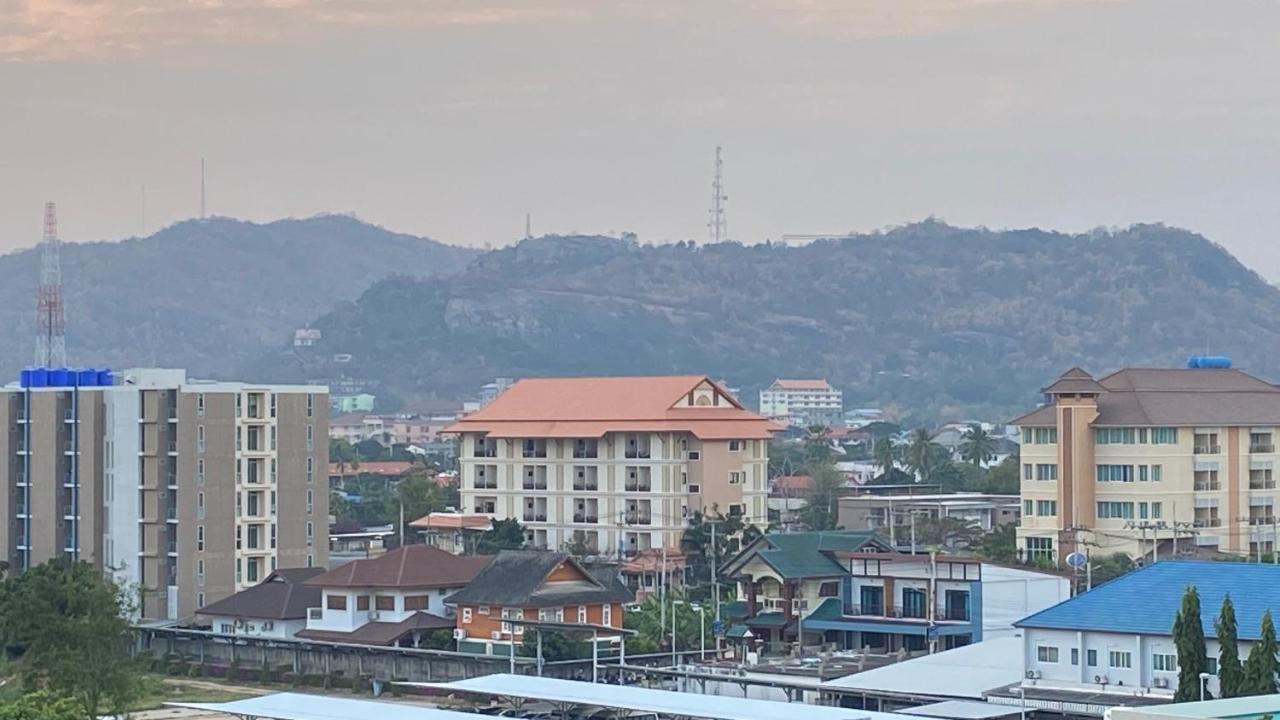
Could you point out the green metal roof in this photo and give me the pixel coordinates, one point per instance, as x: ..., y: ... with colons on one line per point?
x: 737, y: 631
x: 802, y: 555
x: 734, y: 610
x: 768, y: 619
x: 828, y: 609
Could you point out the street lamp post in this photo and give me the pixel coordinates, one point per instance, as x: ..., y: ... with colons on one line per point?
x: 674, y: 660
x: 1022, y: 698
x: 1204, y: 681
x: 702, y: 622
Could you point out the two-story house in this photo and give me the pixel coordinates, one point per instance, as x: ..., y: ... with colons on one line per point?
x: 1116, y: 641
x: 522, y: 586
x: 850, y: 590
x: 394, y: 599
x: 614, y: 464
x: 1150, y: 458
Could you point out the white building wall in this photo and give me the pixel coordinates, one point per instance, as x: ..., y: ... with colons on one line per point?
x: 1010, y: 594
x: 257, y: 627
x: 121, y: 534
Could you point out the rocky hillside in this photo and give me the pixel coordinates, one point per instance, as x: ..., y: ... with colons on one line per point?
x: 941, y: 321
x: 207, y: 295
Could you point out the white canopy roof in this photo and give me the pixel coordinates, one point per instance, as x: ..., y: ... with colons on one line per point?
x: 647, y: 700
x: 296, y: 706
x: 965, y: 672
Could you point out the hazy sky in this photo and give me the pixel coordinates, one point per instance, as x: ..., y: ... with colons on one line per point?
x: 453, y: 118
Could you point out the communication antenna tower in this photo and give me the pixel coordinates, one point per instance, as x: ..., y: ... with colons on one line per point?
x: 51, y: 339
x: 718, y: 225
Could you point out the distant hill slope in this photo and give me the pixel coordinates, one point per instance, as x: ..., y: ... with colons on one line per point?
x: 206, y: 295
x: 939, y: 320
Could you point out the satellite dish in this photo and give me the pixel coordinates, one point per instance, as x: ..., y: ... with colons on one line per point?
x: 1077, y: 560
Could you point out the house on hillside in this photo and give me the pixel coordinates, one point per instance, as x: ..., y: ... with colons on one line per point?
x: 275, y: 608
x: 521, y: 587
x: 394, y: 599
x: 1117, y: 639
x: 850, y: 590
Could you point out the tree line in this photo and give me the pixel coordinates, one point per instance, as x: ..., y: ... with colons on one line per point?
x: 1255, y: 676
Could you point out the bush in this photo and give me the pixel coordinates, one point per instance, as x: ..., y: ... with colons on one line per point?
x: 195, y: 670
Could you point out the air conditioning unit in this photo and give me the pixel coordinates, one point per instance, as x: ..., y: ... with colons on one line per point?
x: 1033, y: 674
x: 373, y: 615
x: 1162, y: 682
x: 1100, y: 679
x: 495, y: 635
x: 459, y: 634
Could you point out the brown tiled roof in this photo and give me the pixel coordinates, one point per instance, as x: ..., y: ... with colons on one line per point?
x: 1177, y: 397
x: 283, y: 595
x: 412, y: 566
x: 381, y: 633
x: 652, y: 561
x: 1074, y: 380
x: 390, y: 468
x: 452, y: 521
x: 591, y: 407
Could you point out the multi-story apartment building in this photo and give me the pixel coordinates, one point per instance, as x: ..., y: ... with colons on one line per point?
x: 1146, y: 459
x: 185, y: 490
x: 617, y: 464
x: 803, y: 402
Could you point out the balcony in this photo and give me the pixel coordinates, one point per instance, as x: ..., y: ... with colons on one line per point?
x: 1262, y: 448
x: 959, y: 614
x: 534, y: 449
x: 1207, y: 485
x: 589, y: 518
x: 69, y: 512
x: 891, y: 611
x: 171, y: 514
x: 633, y: 517
x: 1261, y: 520
x: 1209, y: 522
x: 1207, y: 449
x: 171, y: 547
x: 586, y: 450
x: 534, y: 516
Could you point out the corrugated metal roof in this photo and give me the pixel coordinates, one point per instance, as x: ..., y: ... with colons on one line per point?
x: 297, y: 706
x: 965, y: 672
x: 1146, y: 601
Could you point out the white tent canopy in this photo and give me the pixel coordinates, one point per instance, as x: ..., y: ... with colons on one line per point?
x: 296, y: 706
x: 646, y: 700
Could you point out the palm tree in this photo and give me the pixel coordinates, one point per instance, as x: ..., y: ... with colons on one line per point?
x: 977, y: 446
x: 817, y: 447
x: 884, y: 455
x: 921, y: 452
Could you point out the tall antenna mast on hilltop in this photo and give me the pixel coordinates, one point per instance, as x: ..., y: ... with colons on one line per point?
x: 51, y: 338
x: 718, y: 225
x: 202, y: 215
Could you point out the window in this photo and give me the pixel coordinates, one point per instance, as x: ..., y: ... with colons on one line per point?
x: 1121, y: 659
x: 694, y: 455
x: 735, y: 446
x: 335, y: 602
x: 200, y: 471
x: 1075, y: 656
x: 1143, y: 511
x: 384, y: 602
x: 417, y: 602
x: 1039, y: 548
x: 1027, y: 470
x: 1164, y: 436
x: 1114, y: 436
x: 1142, y: 436
x: 582, y: 614
x: 829, y: 589
x: 1164, y: 662
x: 1211, y: 665
x: 362, y: 602
x: 199, y: 404
x: 1205, y: 443
x: 311, y: 437
x: 551, y: 615
x: 1047, y: 471
x: 1046, y: 654
x: 200, y: 575
x: 1157, y: 510
x: 311, y: 404
x: 310, y: 533
x: 1040, y: 436
x: 273, y: 471
x: 607, y: 609
x: 273, y: 437
x: 1155, y: 473
x: 200, y: 506
x: 1047, y: 508
x: 1115, y: 511
x: 199, y: 600
x: 199, y: 538
x: 310, y: 501
x: 311, y: 467
x: 1142, y: 473
x: 199, y: 438
x: 273, y: 403
x: 1028, y: 507
x: 1115, y: 473
x: 1091, y: 657
x: 483, y: 610
x: 735, y: 478
x: 466, y: 615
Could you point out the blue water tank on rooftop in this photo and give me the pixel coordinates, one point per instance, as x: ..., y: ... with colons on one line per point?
x: 59, y: 377
x: 39, y: 377
x: 106, y: 378
x: 24, y: 378
x: 87, y: 378
x: 1208, y: 362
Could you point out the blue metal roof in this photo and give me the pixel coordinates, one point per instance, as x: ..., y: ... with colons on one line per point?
x: 1146, y: 601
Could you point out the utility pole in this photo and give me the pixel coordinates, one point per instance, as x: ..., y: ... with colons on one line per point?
x: 715, y: 587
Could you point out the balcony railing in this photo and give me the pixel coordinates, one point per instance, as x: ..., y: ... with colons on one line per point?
x: 1262, y: 520
x: 586, y: 518
x: 639, y: 486
x: 638, y: 518
x: 585, y: 453
x: 956, y: 613
x: 1207, y: 449
x: 1207, y: 485
x: 1262, y: 448
x: 534, y: 484
x: 890, y: 611
x: 1207, y: 522
x: 633, y: 453
x: 586, y: 487
x: 1267, y: 484
x: 535, y: 516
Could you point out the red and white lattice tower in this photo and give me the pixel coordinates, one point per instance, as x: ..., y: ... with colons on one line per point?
x: 51, y: 338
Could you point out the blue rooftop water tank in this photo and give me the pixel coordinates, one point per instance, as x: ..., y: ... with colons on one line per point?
x: 87, y: 378
x: 24, y: 378
x: 59, y: 377
x: 39, y: 377
x: 1208, y: 362
x: 106, y: 378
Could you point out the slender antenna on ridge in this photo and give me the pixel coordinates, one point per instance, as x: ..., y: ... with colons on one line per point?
x: 718, y: 225
x: 202, y: 205
x: 51, y: 339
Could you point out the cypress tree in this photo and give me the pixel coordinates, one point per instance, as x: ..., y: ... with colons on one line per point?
x: 1231, y: 681
x: 1260, y: 668
x: 1188, y: 637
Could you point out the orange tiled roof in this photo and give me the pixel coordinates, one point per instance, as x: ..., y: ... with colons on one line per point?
x: 591, y: 407
x: 390, y: 468
x: 450, y: 521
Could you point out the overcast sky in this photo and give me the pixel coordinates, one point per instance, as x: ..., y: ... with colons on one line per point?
x: 454, y: 118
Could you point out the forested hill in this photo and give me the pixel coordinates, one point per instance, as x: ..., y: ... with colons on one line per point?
x: 944, y: 322
x: 206, y: 295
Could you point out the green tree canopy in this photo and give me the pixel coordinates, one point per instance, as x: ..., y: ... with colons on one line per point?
x: 504, y: 535
x: 1003, y: 479
x: 69, y: 622
x: 1230, y: 672
x: 884, y: 455
x: 821, y: 503
x: 41, y: 705
x: 922, y: 457
x: 977, y: 446
x: 1110, y: 567
x: 1000, y: 545
x: 1188, y: 638
x: 1260, y: 668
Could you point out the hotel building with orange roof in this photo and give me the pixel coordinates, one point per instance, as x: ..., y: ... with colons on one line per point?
x: 618, y: 464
